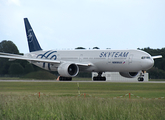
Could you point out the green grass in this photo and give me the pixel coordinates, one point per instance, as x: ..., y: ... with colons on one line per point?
x: 99, y: 89
x: 60, y: 101
x: 61, y: 108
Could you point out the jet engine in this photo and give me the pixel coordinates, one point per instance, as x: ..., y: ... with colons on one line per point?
x: 129, y: 74
x: 68, y: 69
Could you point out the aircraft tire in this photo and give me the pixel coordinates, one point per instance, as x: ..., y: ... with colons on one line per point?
x: 140, y: 79
x: 103, y: 78
x: 99, y: 78
x: 65, y: 78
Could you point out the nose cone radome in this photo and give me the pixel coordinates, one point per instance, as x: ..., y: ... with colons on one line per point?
x: 147, y: 64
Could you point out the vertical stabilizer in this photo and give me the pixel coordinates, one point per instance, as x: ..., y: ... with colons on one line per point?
x: 31, y: 38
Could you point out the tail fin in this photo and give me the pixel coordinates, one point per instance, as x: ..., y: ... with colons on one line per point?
x: 31, y: 38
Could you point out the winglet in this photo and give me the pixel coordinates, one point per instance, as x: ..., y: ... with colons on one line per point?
x: 31, y: 38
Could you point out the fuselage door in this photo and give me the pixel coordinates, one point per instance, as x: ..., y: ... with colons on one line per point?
x: 81, y: 58
x: 58, y: 57
x: 130, y: 58
x: 109, y: 60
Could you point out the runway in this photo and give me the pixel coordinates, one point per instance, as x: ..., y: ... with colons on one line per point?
x: 77, y: 81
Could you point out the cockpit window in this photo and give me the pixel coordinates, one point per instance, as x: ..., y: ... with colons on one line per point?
x: 145, y: 57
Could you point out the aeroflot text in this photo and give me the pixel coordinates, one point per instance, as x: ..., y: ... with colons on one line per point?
x: 114, y: 54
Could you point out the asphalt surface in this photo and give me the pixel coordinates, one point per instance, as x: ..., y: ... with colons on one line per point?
x: 76, y: 81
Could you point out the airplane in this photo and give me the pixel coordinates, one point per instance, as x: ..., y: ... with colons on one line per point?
x: 68, y: 63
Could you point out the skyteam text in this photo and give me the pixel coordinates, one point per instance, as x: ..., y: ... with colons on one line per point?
x: 114, y: 54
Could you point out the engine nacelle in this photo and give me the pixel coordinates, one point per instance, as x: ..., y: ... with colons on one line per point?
x: 129, y: 74
x: 68, y: 69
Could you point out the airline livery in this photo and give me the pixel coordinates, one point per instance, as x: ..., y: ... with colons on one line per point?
x: 68, y: 63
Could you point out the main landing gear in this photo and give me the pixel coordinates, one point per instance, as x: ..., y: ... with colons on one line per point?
x: 141, y: 76
x: 60, y: 78
x: 99, y: 77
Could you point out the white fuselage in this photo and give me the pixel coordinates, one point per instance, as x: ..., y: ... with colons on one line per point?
x: 99, y: 60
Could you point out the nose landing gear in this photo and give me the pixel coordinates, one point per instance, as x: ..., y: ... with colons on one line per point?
x: 141, y: 76
x: 140, y: 79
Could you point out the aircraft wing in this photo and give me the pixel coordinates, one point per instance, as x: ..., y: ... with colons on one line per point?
x: 9, y: 54
x: 20, y: 57
x: 29, y: 59
x: 158, y: 56
x: 84, y: 64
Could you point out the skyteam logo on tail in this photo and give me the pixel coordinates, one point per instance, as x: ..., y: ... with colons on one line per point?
x: 31, y: 38
x: 30, y: 35
x: 48, y: 55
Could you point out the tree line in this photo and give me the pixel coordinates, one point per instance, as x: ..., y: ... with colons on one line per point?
x: 10, y: 67
x: 158, y: 70
x: 19, y: 67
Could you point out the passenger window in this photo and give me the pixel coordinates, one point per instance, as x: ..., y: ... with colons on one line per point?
x: 145, y: 57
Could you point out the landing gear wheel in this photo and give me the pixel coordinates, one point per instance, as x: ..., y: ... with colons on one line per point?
x: 141, y: 76
x: 99, y: 77
x: 140, y: 79
x: 65, y: 78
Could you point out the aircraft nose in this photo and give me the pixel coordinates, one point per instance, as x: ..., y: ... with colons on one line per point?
x: 147, y: 64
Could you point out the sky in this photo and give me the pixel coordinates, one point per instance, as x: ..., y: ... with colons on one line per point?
x: 67, y: 24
